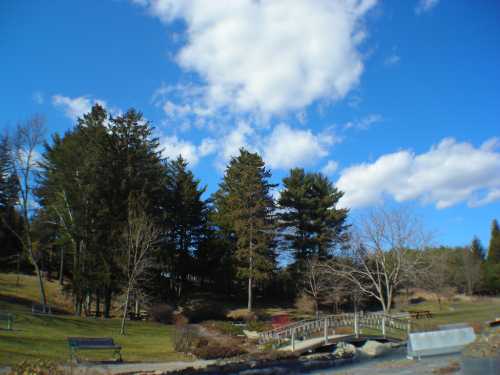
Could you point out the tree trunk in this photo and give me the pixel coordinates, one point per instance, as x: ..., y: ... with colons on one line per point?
x: 61, y: 267
x: 97, y: 304
x: 250, y: 286
x: 137, y: 306
x: 125, y: 310
x: 43, y: 297
x: 107, y: 302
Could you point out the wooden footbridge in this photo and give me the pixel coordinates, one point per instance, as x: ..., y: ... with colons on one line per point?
x: 310, y: 334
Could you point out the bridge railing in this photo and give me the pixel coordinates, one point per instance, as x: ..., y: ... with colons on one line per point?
x: 386, y: 324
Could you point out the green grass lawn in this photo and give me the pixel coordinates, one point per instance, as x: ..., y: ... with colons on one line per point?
x: 475, y: 312
x: 44, y: 337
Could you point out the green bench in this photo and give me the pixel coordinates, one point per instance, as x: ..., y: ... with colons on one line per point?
x: 93, y: 343
x: 7, y: 317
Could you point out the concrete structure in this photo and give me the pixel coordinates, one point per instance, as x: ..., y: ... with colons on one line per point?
x: 439, y: 342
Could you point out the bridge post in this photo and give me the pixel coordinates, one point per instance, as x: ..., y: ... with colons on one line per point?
x: 383, y: 326
x: 293, y: 339
x: 325, y: 330
x: 356, y: 325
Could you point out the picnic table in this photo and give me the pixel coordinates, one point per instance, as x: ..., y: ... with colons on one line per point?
x: 420, y: 314
x: 93, y: 343
x: 7, y: 317
x: 41, y: 309
x: 143, y: 315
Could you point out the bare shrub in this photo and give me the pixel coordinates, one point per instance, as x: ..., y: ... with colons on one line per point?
x: 215, y: 351
x: 202, y: 311
x: 162, y: 313
x: 186, y: 339
x: 305, y: 304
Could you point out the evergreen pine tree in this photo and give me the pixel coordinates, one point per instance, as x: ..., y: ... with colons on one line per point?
x: 494, y: 248
x: 244, y: 206
x: 310, y: 220
x: 10, y: 223
x: 477, y: 249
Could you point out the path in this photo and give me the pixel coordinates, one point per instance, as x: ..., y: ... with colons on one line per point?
x: 122, y: 368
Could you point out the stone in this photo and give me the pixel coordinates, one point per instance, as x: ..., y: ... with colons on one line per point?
x: 374, y: 348
x: 344, y: 349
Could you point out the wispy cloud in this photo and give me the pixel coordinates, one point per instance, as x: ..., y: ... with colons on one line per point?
x: 391, y: 60
x: 424, y: 6
x: 364, y: 123
x: 38, y: 97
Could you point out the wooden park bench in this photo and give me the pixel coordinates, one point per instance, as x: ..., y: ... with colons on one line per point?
x: 40, y: 309
x: 93, y: 343
x: 423, y: 314
x: 7, y: 317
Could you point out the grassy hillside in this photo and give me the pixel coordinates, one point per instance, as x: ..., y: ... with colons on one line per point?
x: 44, y: 337
x: 475, y: 311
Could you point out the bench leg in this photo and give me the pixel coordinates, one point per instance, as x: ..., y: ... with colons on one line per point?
x: 118, y: 353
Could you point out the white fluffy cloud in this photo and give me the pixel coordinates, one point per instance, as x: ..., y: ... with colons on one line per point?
x: 173, y: 147
x: 269, y: 56
x: 447, y: 174
x: 75, y: 107
x: 287, y: 147
x: 425, y: 6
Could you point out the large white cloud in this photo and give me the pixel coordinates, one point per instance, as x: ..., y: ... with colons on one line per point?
x: 287, y: 147
x: 269, y: 56
x: 447, y: 174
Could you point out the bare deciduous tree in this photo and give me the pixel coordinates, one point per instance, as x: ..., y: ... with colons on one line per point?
x: 139, y: 239
x: 434, y: 274
x: 314, y: 281
x: 384, y: 253
x: 29, y: 135
x: 471, y: 266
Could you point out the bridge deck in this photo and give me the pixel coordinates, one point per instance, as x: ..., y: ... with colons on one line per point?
x: 312, y: 343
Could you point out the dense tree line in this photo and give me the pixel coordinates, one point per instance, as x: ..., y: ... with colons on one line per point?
x: 89, y: 183
x: 115, y: 221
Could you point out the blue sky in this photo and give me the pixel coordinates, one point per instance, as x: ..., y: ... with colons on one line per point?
x: 397, y: 101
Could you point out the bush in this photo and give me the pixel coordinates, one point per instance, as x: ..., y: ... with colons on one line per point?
x: 186, y: 339
x: 37, y: 368
x: 202, y: 311
x: 214, y: 351
x: 258, y: 326
x: 162, y: 313
x: 180, y: 320
x: 226, y: 328
x: 305, y: 304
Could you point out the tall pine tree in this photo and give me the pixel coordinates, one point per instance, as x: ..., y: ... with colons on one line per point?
x: 245, y: 206
x: 310, y: 221
x: 494, y: 248
x: 10, y: 221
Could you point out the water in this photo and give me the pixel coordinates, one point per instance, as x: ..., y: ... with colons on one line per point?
x: 394, y: 363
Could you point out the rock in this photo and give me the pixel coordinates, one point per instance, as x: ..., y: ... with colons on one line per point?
x: 374, y: 348
x: 344, y: 349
